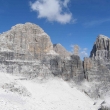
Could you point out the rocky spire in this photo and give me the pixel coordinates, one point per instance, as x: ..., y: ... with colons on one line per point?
x: 76, y: 50
x: 101, y: 47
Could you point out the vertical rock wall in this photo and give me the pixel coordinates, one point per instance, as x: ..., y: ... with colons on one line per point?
x: 27, y: 39
x: 27, y: 49
x: 101, y: 48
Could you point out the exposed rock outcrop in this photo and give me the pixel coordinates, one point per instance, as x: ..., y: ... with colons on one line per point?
x: 97, y: 67
x: 28, y: 40
x: 104, y: 108
x: 87, y: 64
x: 66, y: 68
x: 27, y: 49
x: 58, y: 48
x: 101, y: 48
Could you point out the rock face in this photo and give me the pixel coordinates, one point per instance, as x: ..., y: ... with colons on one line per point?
x: 97, y: 67
x: 76, y: 50
x: 28, y: 40
x: 58, y: 48
x: 27, y: 49
x: 104, y: 108
x: 66, y: 68
x: 101, y: 48
x: 87, y: 64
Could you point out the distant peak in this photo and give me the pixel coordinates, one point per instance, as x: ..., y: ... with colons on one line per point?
x: 25, y: 24
x: 28, y: 26
x: 58, y: 44
x: 58, y: 48
x: 100, y: 36
x: 29, y: 23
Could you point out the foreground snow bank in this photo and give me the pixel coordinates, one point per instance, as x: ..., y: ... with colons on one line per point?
x: 53, y: 94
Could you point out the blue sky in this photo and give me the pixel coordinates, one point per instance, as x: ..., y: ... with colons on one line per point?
x: 68, y: 22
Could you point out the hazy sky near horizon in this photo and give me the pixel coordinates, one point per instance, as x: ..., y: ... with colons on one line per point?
x: 67, y: 22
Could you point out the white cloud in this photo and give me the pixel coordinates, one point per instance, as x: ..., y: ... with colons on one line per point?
x: 65, y: 3
x: 96, y: 22
x: 83, y: 53
x: 53, y: 10
x: 72, y: 46
x: 85, y: 49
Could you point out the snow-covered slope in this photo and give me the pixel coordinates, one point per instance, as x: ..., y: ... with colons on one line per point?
x: 17, y: 93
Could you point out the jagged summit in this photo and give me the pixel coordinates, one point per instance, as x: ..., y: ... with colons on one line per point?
x: 28, y: 39
x: 26, y: 26
x: 100, y: 36
x: 56, y: 44
x: 28, y: 49
x: 58, y: 48
x: 30, y: 52
x: 101, y: 47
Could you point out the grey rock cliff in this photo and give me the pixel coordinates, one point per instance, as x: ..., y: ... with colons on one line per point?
x: 63, y: 67
x: 97, y: 67
x: 28, y: 40
x: 101, y: 48
x: 58, y: 48
x: 28, y: 50
x: 104, y: 108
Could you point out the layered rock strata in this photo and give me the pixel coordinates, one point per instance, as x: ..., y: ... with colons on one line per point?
x: 101, y: 48
x: 58, y: 48
x: 27, y: 49
x: 27, y: 41
x: 98, y: 65
x: 97, y: 68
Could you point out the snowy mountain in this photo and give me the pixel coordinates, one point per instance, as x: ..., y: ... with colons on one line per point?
x: 35, y: 74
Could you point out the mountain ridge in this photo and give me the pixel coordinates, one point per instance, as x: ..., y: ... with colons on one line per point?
x: 26, y: 49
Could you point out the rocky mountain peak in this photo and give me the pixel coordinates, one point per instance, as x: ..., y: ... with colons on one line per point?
x: 101, y: 47
x: 33, y: 28
x: 100, y: 36
x: 58, y: 48
x: 28, y: 39
x: 29, y: 50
